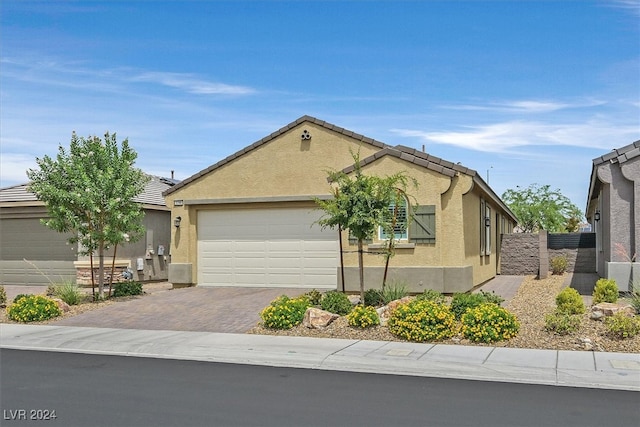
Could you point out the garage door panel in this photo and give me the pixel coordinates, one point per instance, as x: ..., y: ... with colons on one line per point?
x: 266, y: 247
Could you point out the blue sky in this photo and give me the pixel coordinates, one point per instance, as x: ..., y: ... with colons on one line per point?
x: 526, y: 91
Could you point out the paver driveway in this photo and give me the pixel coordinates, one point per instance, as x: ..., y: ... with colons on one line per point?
x: 231, y: 310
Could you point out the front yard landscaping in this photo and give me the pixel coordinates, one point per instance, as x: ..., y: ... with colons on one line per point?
x: 534, y: 300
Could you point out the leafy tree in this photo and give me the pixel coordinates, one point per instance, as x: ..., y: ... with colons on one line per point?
x: 89, y: 192
x: 539, y: 208
x: 361, y: 204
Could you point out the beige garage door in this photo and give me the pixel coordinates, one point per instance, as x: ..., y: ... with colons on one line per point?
x: 266, y: 247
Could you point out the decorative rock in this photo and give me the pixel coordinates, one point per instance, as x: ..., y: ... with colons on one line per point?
x: 63, y: 306
x: 609, y: 308
x: 596, y: 315
x: 384, y: 312
x: 314, y: 318
x: 355, y: 299
x: 394, y: 304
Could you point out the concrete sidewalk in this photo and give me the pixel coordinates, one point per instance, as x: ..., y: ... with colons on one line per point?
x: 550, y: 367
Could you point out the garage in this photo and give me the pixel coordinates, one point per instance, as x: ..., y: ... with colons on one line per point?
x: 276, y: 247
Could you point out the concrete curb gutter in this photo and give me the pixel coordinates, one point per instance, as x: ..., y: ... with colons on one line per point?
x: 620, y: 371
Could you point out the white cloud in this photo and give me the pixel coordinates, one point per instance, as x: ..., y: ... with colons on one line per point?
x: 631, y: 5
x: 13, y: 168
x: 525, y: 106
x: 192, y: 84
x: 506, y: 136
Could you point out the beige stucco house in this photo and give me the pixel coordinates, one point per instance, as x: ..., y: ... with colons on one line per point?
x: 32, y: 254
x: 249, y: 220
x: 613, y: 209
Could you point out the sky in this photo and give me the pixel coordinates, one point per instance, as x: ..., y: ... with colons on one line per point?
x: 523, y: 92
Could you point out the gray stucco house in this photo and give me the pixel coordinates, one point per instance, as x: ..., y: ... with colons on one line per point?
x: 613, y: 209
x: 48, y: 255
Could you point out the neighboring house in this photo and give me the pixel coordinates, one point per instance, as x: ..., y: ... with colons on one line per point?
x: 250, y: 219
x: 48, y: 255
x: 613, y: 209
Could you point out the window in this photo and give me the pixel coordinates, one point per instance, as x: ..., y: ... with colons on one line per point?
x: 400, y: 227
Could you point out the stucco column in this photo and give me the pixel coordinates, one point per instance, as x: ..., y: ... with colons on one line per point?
x: 631, y: 171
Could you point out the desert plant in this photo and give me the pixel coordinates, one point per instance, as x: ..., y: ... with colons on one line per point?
x: 336, y: 302
x: 492, y: 297
x: 314, y: 296
x: 33, y: 308
x: 3, y: 296
x: 373, y: 297
x: 394, y: 291
x: 431, y: 295
x: 569, y: 301
x: 51, y: 291
x: 460, y: 303
x: 363, y: 316
x: 489, y: 323
x: 622, y: 326
x: 606, y: 290
x: 634, y: 298
x: 422, y: 320
x: 19, y: 296
x: 285, y: 312
x: 123, y: 289
x: 559, y: 264
x: 69, y: 293
x: 562, y: 323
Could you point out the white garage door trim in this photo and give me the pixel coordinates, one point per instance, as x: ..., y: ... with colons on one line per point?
x: 277, y: 247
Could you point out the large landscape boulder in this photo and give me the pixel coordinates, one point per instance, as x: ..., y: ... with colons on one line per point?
x: 63, y: 306
x: 384, y: 312
x: 314, y: 318
x: 604, y: 309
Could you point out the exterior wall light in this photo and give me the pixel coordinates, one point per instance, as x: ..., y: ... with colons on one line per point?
x: 596, y: 216
x: 177, y: 221
x: 487, y: 221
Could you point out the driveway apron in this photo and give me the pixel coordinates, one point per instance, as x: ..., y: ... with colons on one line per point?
x: 230, y: 310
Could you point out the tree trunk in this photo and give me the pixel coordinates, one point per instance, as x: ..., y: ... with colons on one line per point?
x: 361, y: 270
x: 113, y: 267
x: 101, y: 271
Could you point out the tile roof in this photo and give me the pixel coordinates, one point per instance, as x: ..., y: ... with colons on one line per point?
x: 620, y: 155
x: 151, y: 195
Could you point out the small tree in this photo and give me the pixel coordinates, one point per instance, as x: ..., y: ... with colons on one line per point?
x: 539, y: 208
x: 361, y: 204
x: 89, y: 192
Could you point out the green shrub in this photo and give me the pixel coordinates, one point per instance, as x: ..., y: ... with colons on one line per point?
x: 460, y: 303
x: 622, y: 326
x: 314, y: 296
x: 634, y: 298
x: 489, y: 323
x: 569, y: 301
x: 33, y: 308
x: 19, y: 296
x: 363, y: 316
x: 123, y: 289
x: 69, y: 293
x: 3, y: 296
x: 336, y: 302
x: 559, y: 265
x: 373, y: 298
x: 562, y: 323
x: 606, y: 290
x: 394, y: 291
x: 422, y: 320
x: 285, y: 312
x: 492, y: 297
x: 431, y: 295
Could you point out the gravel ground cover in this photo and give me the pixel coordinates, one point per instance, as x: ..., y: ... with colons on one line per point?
x: 534, y: 299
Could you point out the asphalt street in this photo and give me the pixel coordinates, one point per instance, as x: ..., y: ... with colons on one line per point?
x: 99, y: 390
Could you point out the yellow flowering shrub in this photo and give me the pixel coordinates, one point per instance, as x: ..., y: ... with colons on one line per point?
x: 363, y: 316
x: 422, y: 320
x: 33, y: 308
x: 285, y: 312
x: 489, y: 323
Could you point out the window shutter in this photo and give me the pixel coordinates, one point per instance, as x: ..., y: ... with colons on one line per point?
x: 422, y: 228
